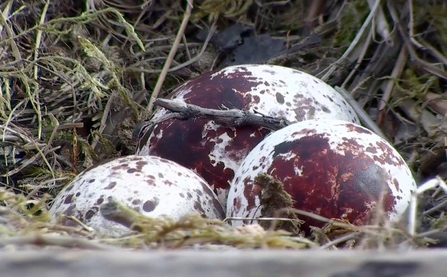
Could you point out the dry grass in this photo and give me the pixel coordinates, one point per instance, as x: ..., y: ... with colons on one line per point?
x: 76, y: 76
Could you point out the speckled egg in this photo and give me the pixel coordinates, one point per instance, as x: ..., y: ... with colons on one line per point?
x: 151, y: 185
x: 215, y: 151
x: 331, y: 168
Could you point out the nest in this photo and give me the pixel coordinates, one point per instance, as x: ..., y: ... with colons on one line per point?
x: 77, y: 76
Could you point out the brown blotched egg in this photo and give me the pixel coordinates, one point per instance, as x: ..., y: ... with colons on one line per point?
x: 151, y: 185
x: 331, y: 168
x: 215, y: 151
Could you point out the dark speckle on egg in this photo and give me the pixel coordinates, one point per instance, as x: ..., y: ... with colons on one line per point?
x: 150, y: 205
x: 99, y: 201
x: 136, y: 201
x: 111, y: 185
x: 68, y: 199
x: 279, y: 98
x: 90, y: 213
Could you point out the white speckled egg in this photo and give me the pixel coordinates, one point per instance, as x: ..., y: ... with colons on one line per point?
x: 332, y: 168
x: 215, y: 151
x: 151, y: 185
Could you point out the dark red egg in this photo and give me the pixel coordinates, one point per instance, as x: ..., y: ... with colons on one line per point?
x: 332, y: 168
x: 215, y: 151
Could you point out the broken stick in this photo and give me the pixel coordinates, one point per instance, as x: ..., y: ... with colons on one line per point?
x: 227, y: 117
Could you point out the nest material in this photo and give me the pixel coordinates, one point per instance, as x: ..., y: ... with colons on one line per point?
x: 75, y: 77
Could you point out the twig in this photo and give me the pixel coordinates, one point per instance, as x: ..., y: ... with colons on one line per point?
x: 46, y: 150
x: 104, y: 118
x: 434, y: 52
x: 359, y: 59
x: 4, y: 16
x: 411, y: 51
x: 231, y: 117
x: 202, y: 50
x: 381, y: 23
x: 351, y: 47
x: 182, y: 65
x: 36, y: 68
x: 55, y: 240
x: 118, y: 213
x: 397, y: 70
x: 314, y: 12
x: 435, y: 208
x: 411, y: 27
x: 424, y: 117
x: 341, y: 239
x: 170, y: 58
x: 412, y: 209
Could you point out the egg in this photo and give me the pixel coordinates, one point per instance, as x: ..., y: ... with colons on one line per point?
x: 332, y: 168
x: 151, y: 185
x: 215, y: 151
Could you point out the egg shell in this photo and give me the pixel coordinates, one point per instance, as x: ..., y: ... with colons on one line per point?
x: 215, y: 151
x: 151, y: 185
x: 332, y: 168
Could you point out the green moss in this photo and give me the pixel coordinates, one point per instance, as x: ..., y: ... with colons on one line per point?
x: 351, y: 19
x: 226, y: 8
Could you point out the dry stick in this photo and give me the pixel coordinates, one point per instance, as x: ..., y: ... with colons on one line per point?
x: 202, y: 50
x: 412, y: 208
x: 341, y: 239
x: 314, y: 12
x: 56, y: 240
x: 360, y: 58
x: 36, y: 69
x: 411, y: 27
x: 104, y: 118
x: 192, y: 60
x: 116, y: 212
x: 435, y: 208
x: 231, y: 117
x: 411, y: 51
x: 185, y: 41
x: 389, y: 84
x: 170, y: 57
x: 434, y: 52
x: 445, y: 145
x: 351, y: 47
x: 381, y: 23
x: 4, y: 17
x: 425, y: 118
x: 46, y: 149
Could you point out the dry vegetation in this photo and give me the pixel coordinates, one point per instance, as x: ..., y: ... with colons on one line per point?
x: 76, y: 77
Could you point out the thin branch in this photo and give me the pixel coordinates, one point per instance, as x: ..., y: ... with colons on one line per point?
x: 351, y: 47
x: 230, y: 117
x: 170, y: 57
x: 397, y: 71
x: 411, y: 27
x: 54, y: 240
